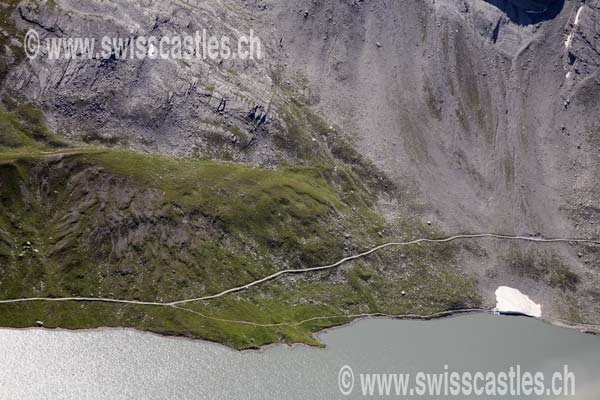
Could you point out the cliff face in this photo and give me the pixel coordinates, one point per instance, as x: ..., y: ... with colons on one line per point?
x: 481, y: 110
x: 483, y: 116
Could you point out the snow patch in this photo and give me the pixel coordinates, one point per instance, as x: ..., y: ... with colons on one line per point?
x: 569, y: 40
x: 578, y: 15
x: 512, y: 301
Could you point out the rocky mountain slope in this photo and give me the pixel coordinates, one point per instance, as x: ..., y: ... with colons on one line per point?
x: 474, y: 116
x: 489, y: 110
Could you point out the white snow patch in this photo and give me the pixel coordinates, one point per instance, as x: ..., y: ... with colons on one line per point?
x: 578, y: 15
x: 569, y: 40
x: 512, y: 301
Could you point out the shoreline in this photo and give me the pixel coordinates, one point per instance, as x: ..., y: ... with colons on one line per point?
x: 586, y: 329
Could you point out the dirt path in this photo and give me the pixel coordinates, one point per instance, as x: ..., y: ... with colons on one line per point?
x: 301, y: 271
